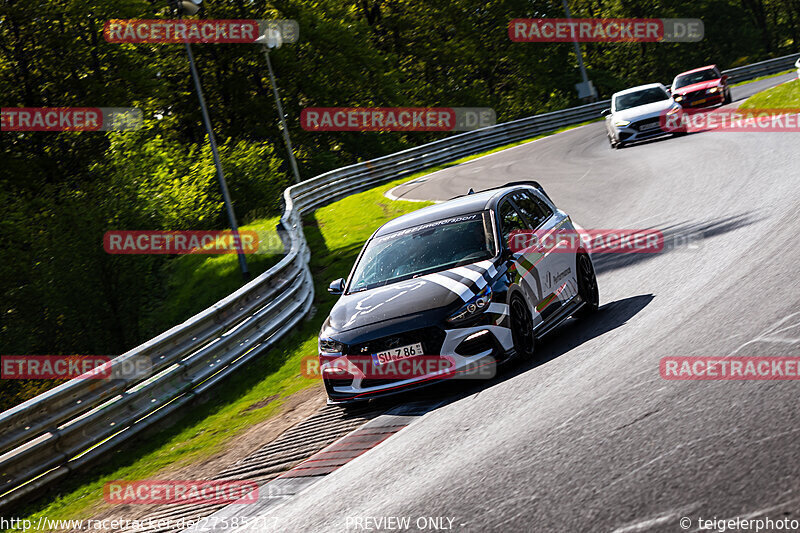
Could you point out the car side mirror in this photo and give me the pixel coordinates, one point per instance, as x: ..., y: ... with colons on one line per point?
x: 605, y: 112
x: 724, y: 78
x: 336, y: 287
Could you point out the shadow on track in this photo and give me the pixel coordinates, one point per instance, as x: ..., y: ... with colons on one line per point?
x: 684, y: 237
x: 566, y: 337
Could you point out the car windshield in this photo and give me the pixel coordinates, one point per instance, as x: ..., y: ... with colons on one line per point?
x: 696, y: 77
x: 424, y: 249
x: 643, y: 97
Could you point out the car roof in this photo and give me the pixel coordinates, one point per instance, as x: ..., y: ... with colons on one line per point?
x: 638, y: 88
x: 462, y: 205
x: 696, y: 70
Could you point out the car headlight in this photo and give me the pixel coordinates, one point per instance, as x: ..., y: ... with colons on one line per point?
x: 622, y: 123
x: 474, y: 307
x: 330, y: 346
x: 679, y: 98
x: 713, y: 90
x: 674, y: 109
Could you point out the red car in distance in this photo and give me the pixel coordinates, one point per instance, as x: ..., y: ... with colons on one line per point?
x: 701, y: 87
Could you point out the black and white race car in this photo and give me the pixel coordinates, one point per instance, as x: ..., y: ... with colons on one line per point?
x: 438, y: 292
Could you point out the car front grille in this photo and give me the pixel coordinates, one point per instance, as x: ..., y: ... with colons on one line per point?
x: 431, y: 338
x: 647, y: 125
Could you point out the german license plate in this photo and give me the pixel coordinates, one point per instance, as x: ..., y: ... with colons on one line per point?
x: 701, y: 101
x: 396, y: 354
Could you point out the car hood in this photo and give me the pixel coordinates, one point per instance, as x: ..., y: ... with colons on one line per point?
x: 439, y: 291
x: 703, y: 85
x: 644, y: 111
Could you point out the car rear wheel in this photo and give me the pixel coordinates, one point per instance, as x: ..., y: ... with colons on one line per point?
x: 587, y: 286
x: 522, y: 329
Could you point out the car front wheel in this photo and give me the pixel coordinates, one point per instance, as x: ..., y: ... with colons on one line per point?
x: 522, y: 329
x: 587, y: 286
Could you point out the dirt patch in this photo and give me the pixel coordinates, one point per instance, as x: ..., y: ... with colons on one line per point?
x: 262, y: 403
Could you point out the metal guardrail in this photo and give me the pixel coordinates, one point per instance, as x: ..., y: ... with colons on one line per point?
x: 69, y: 426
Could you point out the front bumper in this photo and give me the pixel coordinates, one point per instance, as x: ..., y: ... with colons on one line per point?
x: 702, y: 100
x: 640, y: 130
x: 465, y: 353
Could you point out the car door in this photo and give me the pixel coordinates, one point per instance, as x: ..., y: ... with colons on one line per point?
x: 556, y: 258
x: 516, y: 232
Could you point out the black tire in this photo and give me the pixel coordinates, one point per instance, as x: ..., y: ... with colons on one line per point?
x: 728, y: 98
x: 522, y: 329
x: 587, y: 286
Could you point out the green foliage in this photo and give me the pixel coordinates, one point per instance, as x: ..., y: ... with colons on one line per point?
x: 61, y: 293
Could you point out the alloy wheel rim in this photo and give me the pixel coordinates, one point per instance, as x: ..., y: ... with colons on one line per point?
x: 523, y: 326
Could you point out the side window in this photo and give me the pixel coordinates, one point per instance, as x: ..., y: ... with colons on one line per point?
x: 534, y: 209
x: 510, y: 221
x: 717, y: 72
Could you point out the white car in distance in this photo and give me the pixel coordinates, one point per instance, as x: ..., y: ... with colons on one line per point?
x: 636, y: 114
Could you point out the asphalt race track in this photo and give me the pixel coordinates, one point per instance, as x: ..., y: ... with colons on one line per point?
x: 591, y: 438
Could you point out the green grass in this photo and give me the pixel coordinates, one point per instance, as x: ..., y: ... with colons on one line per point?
x: 335, y: 234
x: 197, y: 281
x: 785, y: 95
x: 768, y: 76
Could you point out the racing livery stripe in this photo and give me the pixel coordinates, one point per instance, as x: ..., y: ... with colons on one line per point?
x: 476, y: 277
x: 501, y: 310
x: 487, y: 275
x: 459, y: 288
x: 487, y: 266
x: 467, y: 282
